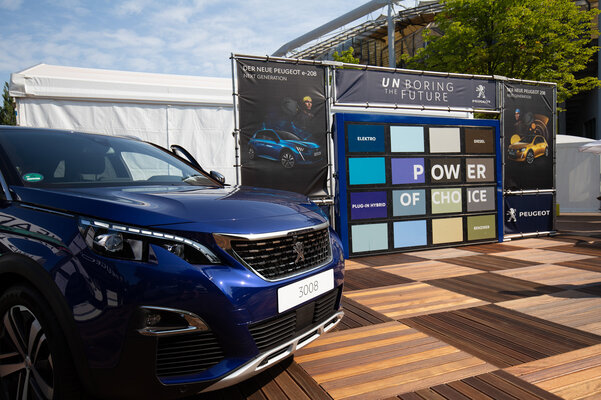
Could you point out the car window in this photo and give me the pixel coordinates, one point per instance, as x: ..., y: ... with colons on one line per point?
x: 271, y: 136
x: 288, y: 136
x: 54, y: 158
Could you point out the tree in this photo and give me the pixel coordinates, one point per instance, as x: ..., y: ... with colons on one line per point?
x: 542, y: 40
x: 7, y: 111
x: 346, y: 56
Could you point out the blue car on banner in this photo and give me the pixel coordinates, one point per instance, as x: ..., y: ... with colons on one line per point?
x: 282, y: 146
x: 127, y: 271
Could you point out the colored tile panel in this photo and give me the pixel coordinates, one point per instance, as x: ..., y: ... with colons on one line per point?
x: 446, y: 201
x: 407, y: 139
x: 370, y: 237
x: 481, y: 227
x: 367, y: 171
x: 407, y: 171
x: 410, y: 233
x: 447, y: 230
x: 366, y: 138
x: 408, y: 202
x: 365, y: 205
x: 445, y: 140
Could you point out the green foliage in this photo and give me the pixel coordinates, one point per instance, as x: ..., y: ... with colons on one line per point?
x: 542, y: 40
x: 346, y: 56
x: 7, y: 111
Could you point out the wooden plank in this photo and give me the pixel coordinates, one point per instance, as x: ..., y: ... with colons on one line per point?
x: 366, y: 278
x: 307, y: 383
x: 427, y: 270
x: 492, y: 248
x: 589, y: 264
x: 489, y: 287
x: 489, y: 262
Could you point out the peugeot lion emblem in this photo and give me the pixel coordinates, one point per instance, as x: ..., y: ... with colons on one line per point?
x: 299, y: 249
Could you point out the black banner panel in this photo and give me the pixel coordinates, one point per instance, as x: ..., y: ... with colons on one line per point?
x: 528, y: 213
x: 402, y: 89
x: 528, y: 137
x: 409, y: 183
x: 283, y: 120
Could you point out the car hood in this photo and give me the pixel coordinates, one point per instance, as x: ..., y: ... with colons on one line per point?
x: 518, y: 145
x: 226, y: 210
x: 309, y: 145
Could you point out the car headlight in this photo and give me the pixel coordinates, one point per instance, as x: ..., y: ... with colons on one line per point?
x: 523, y: 149
x: 130, y: 243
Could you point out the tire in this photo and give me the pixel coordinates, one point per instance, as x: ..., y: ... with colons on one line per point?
x: 287, y: 159
x: 34, y: 360
x: 530, y: 157
x: 251, y: 153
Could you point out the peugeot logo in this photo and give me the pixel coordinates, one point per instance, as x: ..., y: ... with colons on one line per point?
x: 299, y: 249
x: 511, y: 214
x: 481, y: 90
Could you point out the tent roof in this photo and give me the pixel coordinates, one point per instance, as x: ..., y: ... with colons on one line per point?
x: 71, y: 83
x: 561, y: 139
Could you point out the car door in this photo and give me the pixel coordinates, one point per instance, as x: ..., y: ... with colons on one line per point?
x: 272, y: 146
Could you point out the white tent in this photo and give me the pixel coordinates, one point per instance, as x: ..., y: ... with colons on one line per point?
x: 578, y: 176
x: 194, y: 112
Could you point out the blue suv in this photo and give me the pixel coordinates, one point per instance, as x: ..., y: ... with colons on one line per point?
x: 128, y: 272
x: 282, y: 146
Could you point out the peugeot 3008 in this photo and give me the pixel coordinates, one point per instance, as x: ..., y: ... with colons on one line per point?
x: 126, y: 272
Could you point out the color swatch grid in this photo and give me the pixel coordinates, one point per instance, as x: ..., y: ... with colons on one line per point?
x: 416, y: 186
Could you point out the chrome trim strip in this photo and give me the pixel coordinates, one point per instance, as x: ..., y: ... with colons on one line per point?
x: 195, y: 323
x: 48, y: 210
x: 269, y: 235
x: 5, y: 189
x: 265, y: 360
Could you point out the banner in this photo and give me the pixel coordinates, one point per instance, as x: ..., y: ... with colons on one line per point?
x: 528, y: 213
x: 391, y: 88
x: 283, y: 123
x: 529, y: 138
x: 408, y: 183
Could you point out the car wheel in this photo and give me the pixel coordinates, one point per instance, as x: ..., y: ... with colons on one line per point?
x: 530, y: 157
x: 34, y: 363
x: 287, y: 159
x: 546, y: 151
x: 251, y: 153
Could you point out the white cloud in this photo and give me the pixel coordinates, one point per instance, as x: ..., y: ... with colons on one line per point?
x: 11, y: 4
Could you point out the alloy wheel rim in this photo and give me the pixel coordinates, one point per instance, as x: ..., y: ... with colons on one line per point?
x: 287, y: 160
x: 26, y: 366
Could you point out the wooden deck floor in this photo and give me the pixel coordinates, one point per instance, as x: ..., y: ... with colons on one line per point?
x: 517, y: 320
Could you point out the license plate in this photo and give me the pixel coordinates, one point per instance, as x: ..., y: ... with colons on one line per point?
x: 317, y: 153
x: 306, y: 289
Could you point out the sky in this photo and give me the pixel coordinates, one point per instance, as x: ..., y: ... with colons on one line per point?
x: 192, y: 37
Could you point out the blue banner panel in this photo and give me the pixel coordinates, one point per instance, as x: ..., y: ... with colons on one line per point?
x: 528, y: 213
x: 366, y: 139
x: 367, y: 171
x: 408, y: 202
x: 407, y: 170
x: 410, y: 233
x: 365, y: 205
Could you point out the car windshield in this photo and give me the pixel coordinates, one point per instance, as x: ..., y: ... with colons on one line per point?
x: 63, y: 159
x: 527, y: 139
x: 284, y: 135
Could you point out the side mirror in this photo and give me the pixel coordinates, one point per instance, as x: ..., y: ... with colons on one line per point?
x: 218, y: 177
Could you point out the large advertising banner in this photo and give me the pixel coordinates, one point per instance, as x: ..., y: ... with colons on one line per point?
x: 528, y: 213
x: 407, y: 183
x: 283, y: 124
x: 528, y: 136
x: 402, y: 89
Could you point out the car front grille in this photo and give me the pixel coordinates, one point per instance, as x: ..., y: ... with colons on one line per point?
x: 278, y: 258
x: 275, y: 331
x: 187, y: 354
